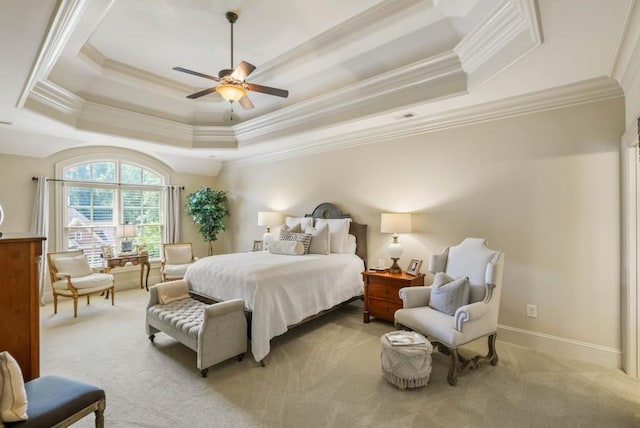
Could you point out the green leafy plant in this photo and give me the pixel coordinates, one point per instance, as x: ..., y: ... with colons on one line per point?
x: 207, y: 208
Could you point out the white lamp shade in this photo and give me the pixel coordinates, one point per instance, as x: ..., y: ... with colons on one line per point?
x: 126, y: 230
x: 395, y: 222
x: 269, y: 218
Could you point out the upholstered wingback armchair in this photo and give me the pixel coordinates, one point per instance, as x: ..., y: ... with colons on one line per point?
x: 432, y: 311
x: 176, y: 259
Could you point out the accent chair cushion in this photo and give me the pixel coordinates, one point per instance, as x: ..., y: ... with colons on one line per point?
x: 176, y: 271
x: 178, y: 254
x: 320, y: 243
x: 74, y: 266
x: 448, y: 294
x: 86, y: 282
x: 13, y: 396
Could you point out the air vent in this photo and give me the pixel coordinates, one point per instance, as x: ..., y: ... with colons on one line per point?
x: 404, y: 116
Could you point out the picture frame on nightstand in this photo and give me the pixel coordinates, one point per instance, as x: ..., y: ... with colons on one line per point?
x: 257, y: 245
x: 414, y: 267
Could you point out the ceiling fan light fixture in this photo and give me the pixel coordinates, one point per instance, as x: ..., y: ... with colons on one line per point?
x: 231, y: 92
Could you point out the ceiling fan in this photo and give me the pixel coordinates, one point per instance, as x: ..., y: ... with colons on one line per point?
x: 233, y: 86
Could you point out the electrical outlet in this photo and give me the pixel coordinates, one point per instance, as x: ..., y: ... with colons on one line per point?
x: 532, y: 311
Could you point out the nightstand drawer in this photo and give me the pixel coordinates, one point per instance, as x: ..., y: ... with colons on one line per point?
x: 384, y: 291
x: 383, y: 308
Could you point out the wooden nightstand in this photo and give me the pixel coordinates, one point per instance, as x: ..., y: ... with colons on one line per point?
x: 381, y: 298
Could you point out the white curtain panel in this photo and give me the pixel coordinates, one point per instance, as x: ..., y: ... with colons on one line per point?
x: 40, y: 226
x: 172, y: 214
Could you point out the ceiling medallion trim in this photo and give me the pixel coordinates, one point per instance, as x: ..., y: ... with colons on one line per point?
x: 593, y: 90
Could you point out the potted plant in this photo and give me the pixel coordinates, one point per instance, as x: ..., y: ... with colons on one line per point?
x: 207, y: 208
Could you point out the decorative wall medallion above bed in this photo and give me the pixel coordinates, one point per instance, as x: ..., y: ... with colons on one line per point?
x: 269, y: 283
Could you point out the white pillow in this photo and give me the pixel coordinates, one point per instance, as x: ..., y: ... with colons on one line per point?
x: 338, y: 230
x: 304, y: 222
x: 289, y: 248
x: 320, y: 243
x: 350, y: 245
x: 448, y: 294
x: 75, y: 266
x: 13, y: 396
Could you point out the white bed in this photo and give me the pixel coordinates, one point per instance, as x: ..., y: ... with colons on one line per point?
x: 282, y: 290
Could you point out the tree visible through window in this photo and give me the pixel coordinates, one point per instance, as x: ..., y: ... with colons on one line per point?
x: 109, y: 194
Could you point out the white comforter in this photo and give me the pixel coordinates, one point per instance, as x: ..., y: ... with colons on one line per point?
x: 280, y: 290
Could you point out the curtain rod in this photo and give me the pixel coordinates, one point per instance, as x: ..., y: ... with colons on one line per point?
x: 98, y: 182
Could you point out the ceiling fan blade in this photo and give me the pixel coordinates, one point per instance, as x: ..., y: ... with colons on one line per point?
x: 242, y: 71
x: 201, y: 93
x: 246, y: 103
x: 267, y: 90
x: 195, y: 73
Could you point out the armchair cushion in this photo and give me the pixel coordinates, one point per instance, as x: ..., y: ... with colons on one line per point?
x: 74, y: 266
x: 178, y: 254
x: 448, y: 294
x: 86, y: 282
x: 13, y: 395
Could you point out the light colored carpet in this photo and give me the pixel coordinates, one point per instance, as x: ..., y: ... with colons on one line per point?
x: 325, y: 373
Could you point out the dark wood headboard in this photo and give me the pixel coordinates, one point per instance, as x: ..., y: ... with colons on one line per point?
x: 328, y: 210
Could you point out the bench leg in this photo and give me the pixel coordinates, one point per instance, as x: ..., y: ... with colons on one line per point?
x: 151, y: 337
x: 204, y: 372
x: 241, y: 357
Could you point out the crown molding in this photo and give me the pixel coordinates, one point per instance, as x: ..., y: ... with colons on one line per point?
x: 593, y: 90
x: 132, y: 75
x: 66, y: 18
x: 626, y: 62
x: 511, y: 32
x: 359, y: 97
x: 359, y: 26
x: 56, y: 97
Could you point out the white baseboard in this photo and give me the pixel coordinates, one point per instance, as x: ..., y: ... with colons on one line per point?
x: 583, y: 351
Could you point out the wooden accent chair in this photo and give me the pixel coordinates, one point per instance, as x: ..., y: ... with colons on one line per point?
x: 72, y: 276
x: 482, y: 268
x: 176, y: 258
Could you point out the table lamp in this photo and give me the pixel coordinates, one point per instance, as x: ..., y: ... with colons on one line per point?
x: 126, y: 231
x: 268, y: 219
x: 395, y: 223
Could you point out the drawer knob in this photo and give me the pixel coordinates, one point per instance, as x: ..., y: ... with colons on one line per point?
x: 386, y: 292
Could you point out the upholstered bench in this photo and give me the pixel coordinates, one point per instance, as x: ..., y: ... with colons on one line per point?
x: 216, y: 332
x: 59, y: 402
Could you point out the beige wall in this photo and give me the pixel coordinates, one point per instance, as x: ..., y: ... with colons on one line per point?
x: 18, y: 191
x: 542, y: 187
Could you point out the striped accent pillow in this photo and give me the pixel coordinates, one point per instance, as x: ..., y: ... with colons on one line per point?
x: 304, y: 238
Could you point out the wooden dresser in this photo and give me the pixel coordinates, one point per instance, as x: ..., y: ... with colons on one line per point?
x: 20, y: 301
x: 381, y: 298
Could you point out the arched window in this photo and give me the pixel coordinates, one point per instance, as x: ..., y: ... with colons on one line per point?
x: 112, y: 204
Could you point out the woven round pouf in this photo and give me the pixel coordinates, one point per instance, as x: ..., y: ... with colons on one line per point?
x: 407, y: 364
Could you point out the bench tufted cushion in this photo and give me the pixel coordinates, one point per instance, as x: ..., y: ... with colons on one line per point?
x: 185, y: 315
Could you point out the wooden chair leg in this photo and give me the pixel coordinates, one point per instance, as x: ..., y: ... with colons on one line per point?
x: 88, y: 300
x: 55, y: 303
x: 75, y: 306
x: 100, y: 415
x: 113, y: 295
x: 452, y: 376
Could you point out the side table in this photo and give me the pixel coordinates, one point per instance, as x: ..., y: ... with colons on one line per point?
x: 134, y: 259
x: 381, y: 298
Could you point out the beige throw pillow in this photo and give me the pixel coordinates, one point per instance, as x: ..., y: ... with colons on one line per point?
x: 320, y: 243
x: 13, y: 396
x: 448, y: 294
